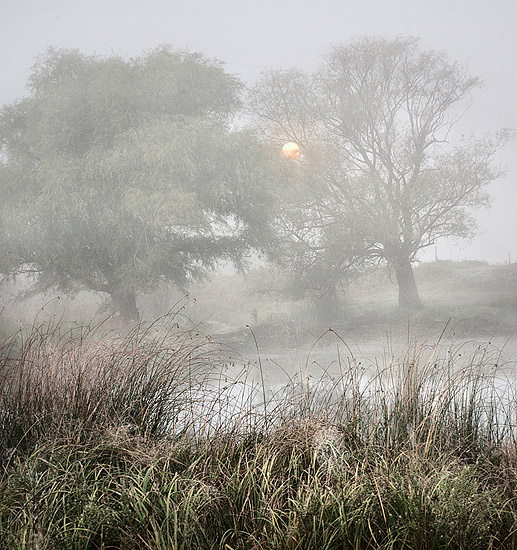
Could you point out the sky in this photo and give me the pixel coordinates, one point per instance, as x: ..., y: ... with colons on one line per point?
x: 251, y: 36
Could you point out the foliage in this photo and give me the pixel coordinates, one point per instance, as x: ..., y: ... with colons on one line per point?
x: 422, y: 455
x: 120, y: 174
x: 76, y: 381
x: 379, y: 180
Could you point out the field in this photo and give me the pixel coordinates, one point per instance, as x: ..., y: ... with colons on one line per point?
x: 479, y: 298
x: 165, y: 438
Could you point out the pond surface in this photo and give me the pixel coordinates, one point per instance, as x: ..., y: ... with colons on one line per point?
x: 269, y: 374
x: 333, y: 355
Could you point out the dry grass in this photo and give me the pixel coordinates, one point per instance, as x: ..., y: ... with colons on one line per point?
x: 137, y: 442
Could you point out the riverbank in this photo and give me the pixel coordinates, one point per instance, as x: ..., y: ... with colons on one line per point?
x: 166, y: 439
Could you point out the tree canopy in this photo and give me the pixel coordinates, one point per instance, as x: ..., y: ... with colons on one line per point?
x: 378, y: 179
x: 117, y: 174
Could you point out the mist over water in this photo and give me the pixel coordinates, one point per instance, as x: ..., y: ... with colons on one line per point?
x: 298, y: 36
x: 334, y: 358
x: 258, y: 279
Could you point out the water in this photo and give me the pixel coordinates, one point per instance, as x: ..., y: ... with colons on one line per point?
x: 334, y: 356
x: 262, y: 376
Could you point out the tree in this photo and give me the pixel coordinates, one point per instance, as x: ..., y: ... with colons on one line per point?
x: 119, y: 174
x: 382, y: 180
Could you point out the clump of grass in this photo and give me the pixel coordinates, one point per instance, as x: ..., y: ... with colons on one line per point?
x: 135, y: 443
x: 77, y: 382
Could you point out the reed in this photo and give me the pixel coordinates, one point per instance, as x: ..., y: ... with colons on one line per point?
x: 139, y: 442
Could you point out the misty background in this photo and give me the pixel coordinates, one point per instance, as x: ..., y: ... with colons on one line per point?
x: 251, y: 37
x: 153, y: 394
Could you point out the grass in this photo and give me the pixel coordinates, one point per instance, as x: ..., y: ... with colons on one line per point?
x: 138, y: 442
x: 480, y: 298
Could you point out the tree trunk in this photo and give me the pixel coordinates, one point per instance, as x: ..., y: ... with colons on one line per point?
x: 125, y: 304
x: 408, y: 291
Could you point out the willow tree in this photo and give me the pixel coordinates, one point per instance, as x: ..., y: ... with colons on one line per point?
x: 379, y: 173
x: 118, y: 174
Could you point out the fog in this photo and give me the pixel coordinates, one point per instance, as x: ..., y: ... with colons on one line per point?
x: 251, y: 37
x: 232, y: 310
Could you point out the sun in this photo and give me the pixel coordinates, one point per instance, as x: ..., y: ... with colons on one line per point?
x: 291, y: 150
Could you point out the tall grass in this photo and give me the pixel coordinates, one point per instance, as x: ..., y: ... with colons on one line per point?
x: 81, y: 381
x: 139, y: 442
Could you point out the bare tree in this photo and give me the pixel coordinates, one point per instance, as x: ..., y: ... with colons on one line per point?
x: 374, y: 125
